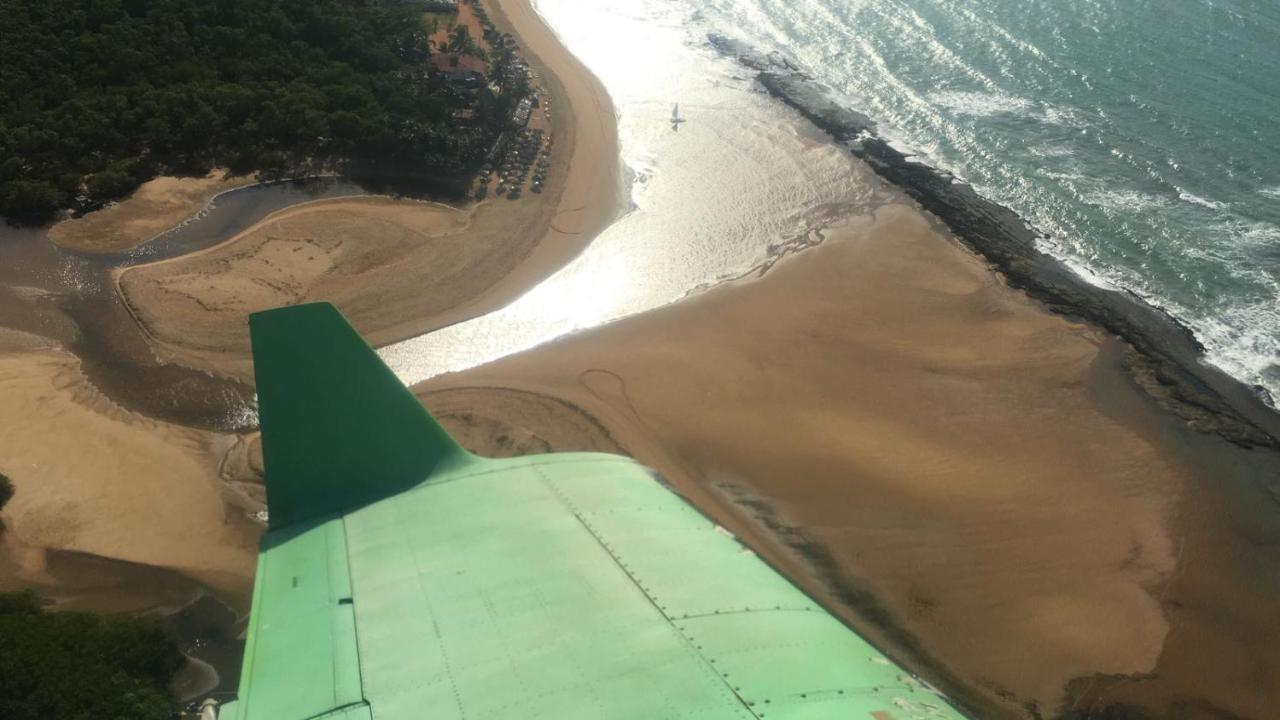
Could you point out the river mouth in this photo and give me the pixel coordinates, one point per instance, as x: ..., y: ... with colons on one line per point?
x: 70, y: 297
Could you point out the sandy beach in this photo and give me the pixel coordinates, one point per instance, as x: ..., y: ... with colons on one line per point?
x: 395, y: 268
x: 154, y: 207
x: 116, y: 511
x: 194, y: 307
x: 974, y: 482
x: 111, y: 489
x: 106, y: 496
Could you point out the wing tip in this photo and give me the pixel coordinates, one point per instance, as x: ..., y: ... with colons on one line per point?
x: 339, y: 429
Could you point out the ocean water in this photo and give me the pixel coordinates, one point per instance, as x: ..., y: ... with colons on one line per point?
x: 741, y: 182
x: 1141, y: 136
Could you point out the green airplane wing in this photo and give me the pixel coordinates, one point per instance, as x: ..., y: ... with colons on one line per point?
x: 403, y: 578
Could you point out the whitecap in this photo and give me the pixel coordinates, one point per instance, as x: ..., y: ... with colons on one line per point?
x: 1062, y: 115
x: 902, y: 146
x: 1237, y: 340
x: 1203, y: 202
x: 1252, y: 234
x: 1123, y: 200
x: 1271, y: 192
x: 979, y: 104
x: 1052, y: 151
x: 1070, y: 258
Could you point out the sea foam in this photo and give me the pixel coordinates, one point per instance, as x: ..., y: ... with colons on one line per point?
x: 980, y: 104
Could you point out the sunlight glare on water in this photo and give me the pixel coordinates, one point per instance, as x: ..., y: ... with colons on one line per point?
x: 708, y: 201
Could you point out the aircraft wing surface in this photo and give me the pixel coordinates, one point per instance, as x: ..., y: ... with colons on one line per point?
x: 424, y: 582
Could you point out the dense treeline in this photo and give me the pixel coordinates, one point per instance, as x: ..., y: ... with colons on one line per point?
x: 97, y: 96
x: 56, y: 666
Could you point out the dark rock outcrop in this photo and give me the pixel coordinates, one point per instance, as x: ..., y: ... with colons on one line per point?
x: 1167, y: 360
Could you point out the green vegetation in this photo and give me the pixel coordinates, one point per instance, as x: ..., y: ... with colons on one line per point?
x: 97, y: 96
x: 460, y: 41
x: 67, y: 665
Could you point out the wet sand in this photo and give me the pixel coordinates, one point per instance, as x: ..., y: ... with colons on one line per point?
x: 1169, y: 360
x: 193, y: 308
x: 154, y: 207
x: 407, y: 279
x: 102, y: 482
x: 973, y: 481
x: 116, y: 512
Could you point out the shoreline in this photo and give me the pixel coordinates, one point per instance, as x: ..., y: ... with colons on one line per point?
x: 156, y: 207
x: 965, y: 477
x: 584, y: 119
x: 404, y: 292
x: 126, y: 489
x: 197, y: 486
x: 1167, y: 360
x: 201, y: 212
x: 677, y: 387
x: 188, y: 329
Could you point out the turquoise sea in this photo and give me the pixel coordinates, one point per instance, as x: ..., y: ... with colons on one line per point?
x: 1142, y: 135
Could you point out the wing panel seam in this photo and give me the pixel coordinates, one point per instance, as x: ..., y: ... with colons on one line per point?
x: 706, y: 664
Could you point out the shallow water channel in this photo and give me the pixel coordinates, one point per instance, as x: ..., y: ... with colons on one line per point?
x: 70, y: 296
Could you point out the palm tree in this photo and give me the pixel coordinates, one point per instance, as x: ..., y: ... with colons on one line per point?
x: 459, y: 39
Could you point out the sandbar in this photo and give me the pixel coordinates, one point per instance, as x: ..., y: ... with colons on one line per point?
x: 97, y: 482
x: 157, y: 205
x: 974, y: 482
x: 407, y: 280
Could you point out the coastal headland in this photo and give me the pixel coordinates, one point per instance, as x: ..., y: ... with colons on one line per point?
x: 1051, y: 511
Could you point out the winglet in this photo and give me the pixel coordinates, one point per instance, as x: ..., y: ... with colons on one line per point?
x: 339, y: 429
